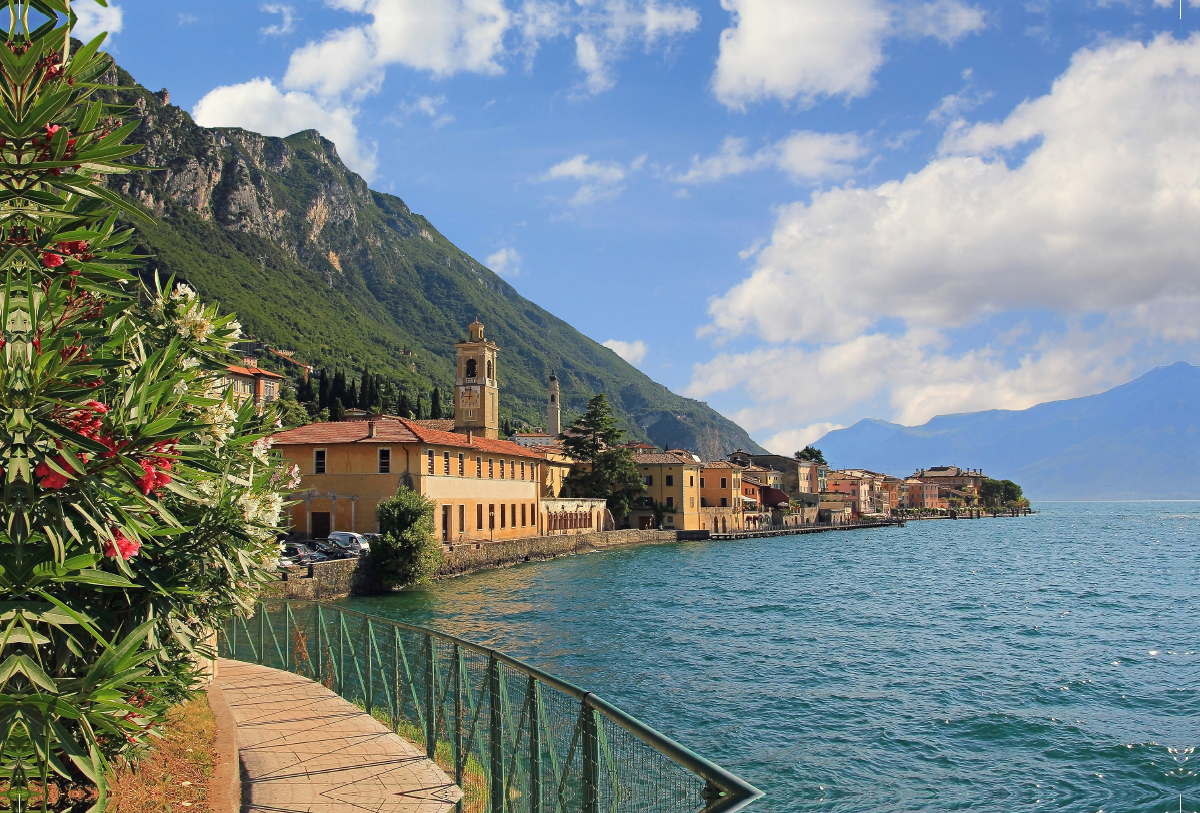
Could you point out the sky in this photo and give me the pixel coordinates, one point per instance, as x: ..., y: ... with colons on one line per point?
x: 803, y: 212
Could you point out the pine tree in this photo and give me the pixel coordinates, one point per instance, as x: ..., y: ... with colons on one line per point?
x: 435, y: 404
x: 595, y: 438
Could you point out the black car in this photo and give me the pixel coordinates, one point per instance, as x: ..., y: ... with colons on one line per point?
x: 329, y: 550
x: 302, y: 554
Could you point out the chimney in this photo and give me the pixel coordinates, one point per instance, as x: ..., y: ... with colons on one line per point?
x: 370, y: 429
x: 469, y: 433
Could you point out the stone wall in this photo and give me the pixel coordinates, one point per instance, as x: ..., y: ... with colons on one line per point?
x: 461, y: 559
x: 321, y: 581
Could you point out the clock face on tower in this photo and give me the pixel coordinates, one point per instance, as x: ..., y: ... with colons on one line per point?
x: 470, y: 397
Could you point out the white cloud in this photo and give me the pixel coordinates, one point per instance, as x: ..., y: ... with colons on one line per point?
x: 593, y: 64
x: 793, y: 440
x: 428, y: 106
x: 597, y: 180
x: 609, y: 25
x: 506, y: 262
x: 94, y: 19
x: 633, y: 352
x: 805, y: 156
x: 799, y: 50
x: 287, y: 19
x: 345, y: 61
x: 260, y: 106
x: 1079, y: 205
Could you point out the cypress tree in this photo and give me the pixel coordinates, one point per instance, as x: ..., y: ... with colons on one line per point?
x: 435, y: 404
x: 336, y: 411
x: 324, y: 386
x: 420, y: 408
x: 364, y: 390
x: 338, y: 390
x: 377, y: 399
x: 403, y: 406
x: 304, y: 392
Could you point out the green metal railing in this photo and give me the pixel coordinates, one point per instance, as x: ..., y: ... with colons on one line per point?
x: 515, y: 739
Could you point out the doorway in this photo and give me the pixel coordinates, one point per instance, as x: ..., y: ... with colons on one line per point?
x: 320, y: 525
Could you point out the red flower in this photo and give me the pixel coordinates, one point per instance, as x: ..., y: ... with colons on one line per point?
x: 147, y: 480
x: 121, y: 545
x: 51, y: 260
x: 50, y: 478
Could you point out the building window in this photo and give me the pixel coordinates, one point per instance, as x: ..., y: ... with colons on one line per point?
x: 724, y: 502
x: 502, y: 512
x: 471, y: 365
x: 479, y: 467
x: 522, y: 515
x: 501, y: 469
x: 318, y: 461
x: 491, y: 516
x: 648, y: 479
x: 429, y: 468
x: 479, y: 517
x: 670, y: 519
x: 723, y: 482
x: 462, y: 518
x: 462, y: 464
x: 269, y: 389
x: 491, y: 469
x: 691, y: 480
x: 702, y: 482
x: 522, y: 471
x: 514, y: 515
x: 512, y: 469
x: 670, y: 480
x: 670, y: 502
x: 385, y: 461
x: 446, y: 463
x: 691, y: 502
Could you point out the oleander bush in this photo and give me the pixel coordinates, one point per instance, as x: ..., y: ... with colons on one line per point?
x: 139, y: 506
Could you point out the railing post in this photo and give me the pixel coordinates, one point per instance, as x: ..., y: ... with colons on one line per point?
x: 459, y: 761
x: 535, y: 747
x: 341, y: 676
x: 370, y: 639
x: 398, y: 704
x: 430, y: 695
x: 320, y: 646
x: 262, y: 632
x: 591, y: 761
x: 287, y: 637
x: 495, y: 734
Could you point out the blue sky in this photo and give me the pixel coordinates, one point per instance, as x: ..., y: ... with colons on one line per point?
x: 802, y: 212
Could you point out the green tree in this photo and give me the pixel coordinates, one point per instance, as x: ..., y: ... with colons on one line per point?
x: 991, y: 492
x: 363, y: 401
x: 139, y: 507
x: 305, y: 392
x: 337, y: 412
x: 406, y: 551
x: 812, y: 454
x: 659, y: 509
x: 435, y: 404
x: 404, y: 408
x: 324, y: 391
x: 1010, y: 492
x: 595, y: 439
x: 289, y: 410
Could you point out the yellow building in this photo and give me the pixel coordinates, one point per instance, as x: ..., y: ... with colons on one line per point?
x: 251, y: 382
x: 483, y: 489
x: 672, y: 479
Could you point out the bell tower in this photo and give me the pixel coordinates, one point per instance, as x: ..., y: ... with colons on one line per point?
x: 553, y: 408
x: 476, y: 391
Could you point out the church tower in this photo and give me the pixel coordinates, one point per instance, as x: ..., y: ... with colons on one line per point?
x: 554, y: 408
x: 476, y: 391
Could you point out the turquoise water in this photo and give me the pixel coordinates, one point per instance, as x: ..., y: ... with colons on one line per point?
x: 1041, y: 663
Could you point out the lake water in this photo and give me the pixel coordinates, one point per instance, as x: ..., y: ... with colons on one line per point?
x: 1040, y: 663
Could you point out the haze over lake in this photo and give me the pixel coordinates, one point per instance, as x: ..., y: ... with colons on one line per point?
x: 1039, y: 663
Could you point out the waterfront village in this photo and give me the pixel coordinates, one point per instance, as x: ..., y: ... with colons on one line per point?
x: 487, y: 488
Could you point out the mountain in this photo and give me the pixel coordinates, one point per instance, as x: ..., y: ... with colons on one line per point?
x: 315, y: 262
x: 1138, y: 441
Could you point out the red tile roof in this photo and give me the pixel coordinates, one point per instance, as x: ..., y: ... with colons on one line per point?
x: 251, y: 371
x: 397, y: 431
x: 443, y: 424
x: 662, y: 457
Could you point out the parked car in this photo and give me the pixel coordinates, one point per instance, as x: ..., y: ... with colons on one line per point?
x: 329, y: 549
x: 355, y: 543
x: 301, y: 554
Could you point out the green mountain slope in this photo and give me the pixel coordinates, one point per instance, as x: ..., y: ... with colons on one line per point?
x: 314, y: 261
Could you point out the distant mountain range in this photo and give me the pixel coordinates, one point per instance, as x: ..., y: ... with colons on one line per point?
x: 1138, y: 441
x: 316, y: 262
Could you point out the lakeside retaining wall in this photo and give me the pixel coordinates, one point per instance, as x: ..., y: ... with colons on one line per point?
x: 321, y: 581
x: 458, y: 560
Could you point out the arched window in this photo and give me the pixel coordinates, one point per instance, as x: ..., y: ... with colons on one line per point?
x: 471, y: 368
x: 552, y: 397
x: 489, y: 369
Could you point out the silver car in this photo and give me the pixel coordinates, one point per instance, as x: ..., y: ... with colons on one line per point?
x: 355, y: 543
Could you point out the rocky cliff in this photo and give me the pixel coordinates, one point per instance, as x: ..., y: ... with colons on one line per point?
x: 316, y: 262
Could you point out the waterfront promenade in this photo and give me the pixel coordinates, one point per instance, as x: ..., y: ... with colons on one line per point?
x: 303, y: 749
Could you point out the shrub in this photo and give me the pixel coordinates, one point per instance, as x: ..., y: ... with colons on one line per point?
x: 406, y: 552
x: 139, y: 505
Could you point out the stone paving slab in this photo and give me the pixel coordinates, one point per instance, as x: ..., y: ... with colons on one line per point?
x: 303, y: 749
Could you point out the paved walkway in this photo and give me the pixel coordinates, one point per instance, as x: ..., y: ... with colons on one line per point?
x: 303, y: 749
